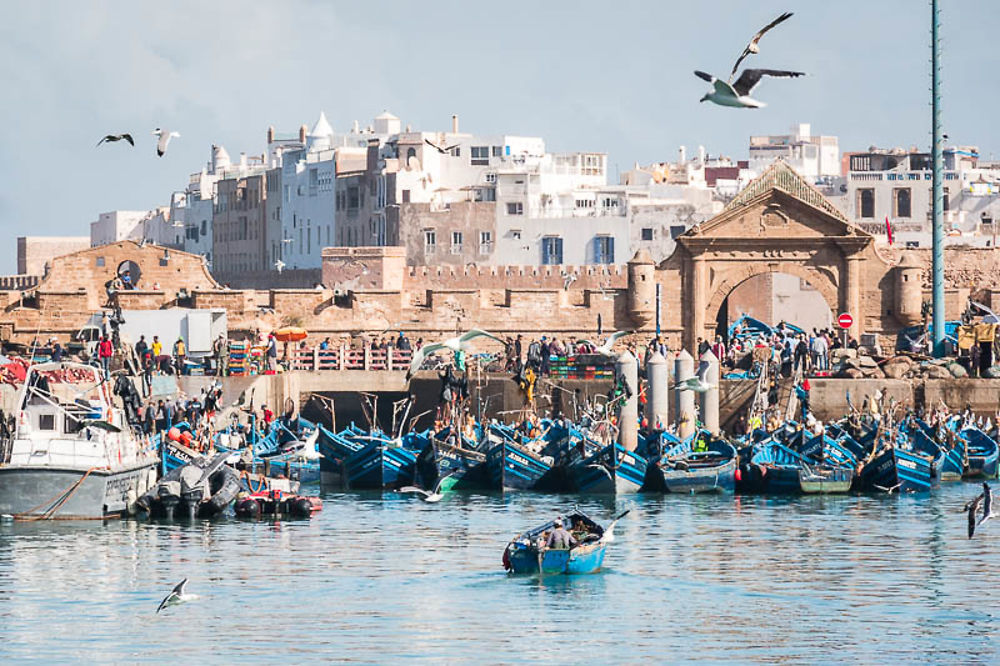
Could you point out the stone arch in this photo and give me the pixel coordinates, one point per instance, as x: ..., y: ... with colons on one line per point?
x: 736, y: 276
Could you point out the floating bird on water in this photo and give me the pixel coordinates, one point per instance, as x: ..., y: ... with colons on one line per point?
x: 164, y: 137
x: 754, y: 45
x: 428, y: 496
x: 456, y: 344
x: 177, y: 596
x: 605, y: 349
x: 986, y: 499
x: 696, y: 383
x: 111, y: 138
x: 738, y: 94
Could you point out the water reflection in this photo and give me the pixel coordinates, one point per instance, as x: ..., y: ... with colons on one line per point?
x: 383, y: 577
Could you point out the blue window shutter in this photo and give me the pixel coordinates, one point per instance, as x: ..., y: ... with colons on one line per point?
x: 611, y: 250
x: 559, y: 250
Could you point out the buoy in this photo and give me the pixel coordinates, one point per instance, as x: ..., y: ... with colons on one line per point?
x: 173, y: 434
x: 186, y: 438
x: 739, y: 474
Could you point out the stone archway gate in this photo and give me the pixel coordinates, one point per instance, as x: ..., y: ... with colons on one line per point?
x: 778, y: 224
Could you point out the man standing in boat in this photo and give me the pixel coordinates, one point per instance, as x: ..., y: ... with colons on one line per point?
x: 560, y: 538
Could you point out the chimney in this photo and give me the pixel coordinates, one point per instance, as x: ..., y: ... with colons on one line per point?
x: 682, y: 154
x: 701, y: 154
x: 270, y: 134
x: 454, y: 123
x: 302, y: 134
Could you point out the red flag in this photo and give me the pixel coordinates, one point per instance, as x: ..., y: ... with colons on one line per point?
x: 888, y: 229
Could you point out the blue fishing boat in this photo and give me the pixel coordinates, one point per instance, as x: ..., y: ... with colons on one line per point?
x: 527, y: 552
x: 335, y: 449
x: 288, y: 449
x: 772, y: 468
x: 451, y: 456
x: 516, y: 463
x: 613, y: 469
x: 381, y: 463
x: 980, y: 453
x: 682, y: 469
x: 895, y: 468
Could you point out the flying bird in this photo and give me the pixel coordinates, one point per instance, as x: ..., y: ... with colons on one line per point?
x: 178, y: 595
x: 609, y: 531
x: 111, y: 138
x: 428, y: 496
x: 738, y: 94
x: 605, y: 349
x: 164, y: 137
x: 754, y: 45
x: 986, y: 499
x: 456, y: 344
x: 443, y: 151
x: 279, y: 265
x: 696, y: 383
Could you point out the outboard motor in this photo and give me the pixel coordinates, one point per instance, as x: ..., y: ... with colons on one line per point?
x: 192, y: 489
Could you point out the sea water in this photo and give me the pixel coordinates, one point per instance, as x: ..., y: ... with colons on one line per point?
x: 387, y: 578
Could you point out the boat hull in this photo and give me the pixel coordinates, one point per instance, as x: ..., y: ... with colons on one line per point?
x: 895, y: 469
x: 377, y: 467
x: 612, y: 470
x: 37, y: 491
x: 825, y: 482
x: 512, y: 468
x: 580, y: 560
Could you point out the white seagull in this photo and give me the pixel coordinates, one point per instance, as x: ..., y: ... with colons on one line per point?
x: 696, y: 383
x: 279, y: 265
x: 605, y: 349
x: 738, y: 94
x: 435, y: 496
x: 177, y: 596
x: 456, y: 344
x: 164, y: 137
x: 609, y: 531
x: 754, y: 45
x: 986, y: 498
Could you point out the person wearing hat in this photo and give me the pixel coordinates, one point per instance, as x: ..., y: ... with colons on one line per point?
x: 559, y: 537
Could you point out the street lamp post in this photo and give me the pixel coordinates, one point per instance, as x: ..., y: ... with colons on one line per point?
x: 937, y: 268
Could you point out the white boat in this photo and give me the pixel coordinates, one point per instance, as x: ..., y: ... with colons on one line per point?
x: 71, y: 453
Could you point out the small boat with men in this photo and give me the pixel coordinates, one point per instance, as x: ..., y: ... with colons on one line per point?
x: 570, y: 544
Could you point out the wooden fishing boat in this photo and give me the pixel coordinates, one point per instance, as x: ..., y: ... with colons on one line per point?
x: 335, y: 449
x: 611, y: 470
x: 680, y: 469
x: 894, y: 468
x: 382, y: 463
x: 527, y: 553
x: 515, y: 464
x: 458, y: 462
x: 825, y: 479
x: 981, y: 454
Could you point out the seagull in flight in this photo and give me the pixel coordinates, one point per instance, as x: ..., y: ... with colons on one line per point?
x: 111, y: 138
x: 164, y: 137
x: 696, y: 383
x: 456, y: 344
x: 279, y: 265
x: 738, y: 94
x: 443, y: 151
x: 605, y: 349
x: 428, y: 496
x: 986, y: 499
x: 754, y: 45
x: 178, y: 595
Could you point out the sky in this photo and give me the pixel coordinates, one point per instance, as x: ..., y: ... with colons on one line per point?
x: 612, y: 77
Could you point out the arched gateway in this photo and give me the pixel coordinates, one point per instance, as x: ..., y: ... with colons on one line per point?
x: 778, y: 224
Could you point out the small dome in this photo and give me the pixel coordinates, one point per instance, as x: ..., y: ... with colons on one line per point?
x: 220, y: 158
x: 322, y: 127
x: 909, y: 260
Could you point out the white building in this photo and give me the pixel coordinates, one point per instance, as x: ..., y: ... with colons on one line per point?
x: 895, y: 185
x: 815, y: 157
x: 155, y: 226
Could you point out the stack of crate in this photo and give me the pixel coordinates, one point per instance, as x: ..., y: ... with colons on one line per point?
x: 239, y: 359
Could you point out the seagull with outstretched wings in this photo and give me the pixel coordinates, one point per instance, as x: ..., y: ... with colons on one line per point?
x: 456, y: 344
x: 738, y: 94
x: 111, y: 138
x: 754, y: 45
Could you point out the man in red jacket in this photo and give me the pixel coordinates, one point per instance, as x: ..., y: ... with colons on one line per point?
x: 104, y: 352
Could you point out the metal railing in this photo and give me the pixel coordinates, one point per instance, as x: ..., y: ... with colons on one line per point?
x: 349, y: 358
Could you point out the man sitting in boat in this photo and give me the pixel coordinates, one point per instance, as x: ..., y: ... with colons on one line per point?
x: 560, y: 538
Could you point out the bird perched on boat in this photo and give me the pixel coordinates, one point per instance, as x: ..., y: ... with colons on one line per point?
x: 985, y: 499
x: 178, y: 595
x: 111, y: 138
x: 738, y: 94
x: 696, y: 383
x: 457, y: 344
x: 605, y: 349
x: 754, y: 45
x: 428, y: 496
x: 163, y: 141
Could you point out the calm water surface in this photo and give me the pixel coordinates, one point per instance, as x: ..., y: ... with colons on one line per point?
x: 382, y: 579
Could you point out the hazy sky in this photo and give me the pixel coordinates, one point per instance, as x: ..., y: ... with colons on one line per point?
x: 602, y: 76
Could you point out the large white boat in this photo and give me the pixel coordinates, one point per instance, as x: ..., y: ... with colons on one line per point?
x: 71, y: 453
